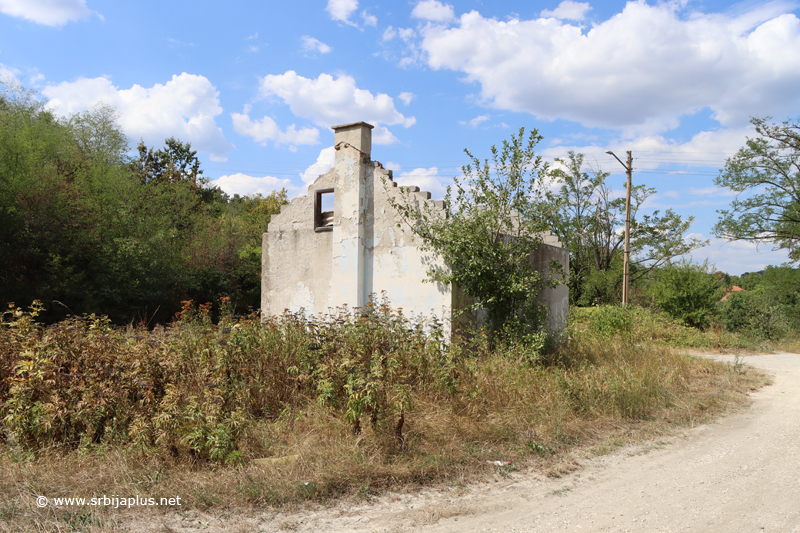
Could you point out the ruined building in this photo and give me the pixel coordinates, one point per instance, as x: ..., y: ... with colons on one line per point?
x: 341, y: 242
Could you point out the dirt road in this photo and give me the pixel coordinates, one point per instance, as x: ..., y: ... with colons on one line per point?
x: 740, y: 474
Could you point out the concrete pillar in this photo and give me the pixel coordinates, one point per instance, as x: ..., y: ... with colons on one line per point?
x: 353, y: 144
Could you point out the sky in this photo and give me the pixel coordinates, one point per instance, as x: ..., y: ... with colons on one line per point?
x: 256, y: 86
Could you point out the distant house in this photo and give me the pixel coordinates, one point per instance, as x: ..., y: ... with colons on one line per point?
x: 341, y: 242
x: 735, y: 288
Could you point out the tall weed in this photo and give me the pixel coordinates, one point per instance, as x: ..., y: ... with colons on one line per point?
x: 195, y: 388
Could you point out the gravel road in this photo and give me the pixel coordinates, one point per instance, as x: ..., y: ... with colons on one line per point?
x: 739, y: 474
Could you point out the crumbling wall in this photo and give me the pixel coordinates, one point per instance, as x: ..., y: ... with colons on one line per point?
x: 556, y: 300
x: 364, y: 252
x: 363, y: 248
x: 398, y: 266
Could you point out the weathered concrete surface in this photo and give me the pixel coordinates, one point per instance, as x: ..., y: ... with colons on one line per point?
x: 296, y: 261
x: 556, y: 299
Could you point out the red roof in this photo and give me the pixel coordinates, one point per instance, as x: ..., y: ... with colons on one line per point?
x: 735, y: 288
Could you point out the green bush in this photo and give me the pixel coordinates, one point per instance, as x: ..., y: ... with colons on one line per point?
x: 612, y: 320
x: 756, y: 314
x: 688, y: 292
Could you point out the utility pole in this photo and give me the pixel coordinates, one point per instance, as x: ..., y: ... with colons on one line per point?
x: 626, y: 272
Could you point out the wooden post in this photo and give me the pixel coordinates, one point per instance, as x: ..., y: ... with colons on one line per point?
x: 626, y: 273
x: 626, y: 268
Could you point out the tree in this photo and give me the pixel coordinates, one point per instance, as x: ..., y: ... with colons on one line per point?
x: 85, y: 229
x: 496, y: 214
x: 765, y: 175
x: 589, y: 221
x: 244, y: 222
x: 174, y: 163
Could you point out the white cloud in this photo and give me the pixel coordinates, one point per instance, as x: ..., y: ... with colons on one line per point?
x: 382, y: 135
x: 477, y: 121
x: 427, y: 179
x: 325, y: 162
x: 244, y: 185
x: 711, y: 191
x: 8, y: 75
x: 643, y: 67
x: 406, y: 97
x: 184, y: 107
x: 389, y: 33
x: 568, y: 10
x: 310, y: 44
x: 15, y: 77
x: 433, y: 10
x: 328, y: 102
x: 47, y: 12
x: 369, y: 20
x: 706, y: 148
x: 266, y: 129
x: 407, y: 34
x: 341, y: 10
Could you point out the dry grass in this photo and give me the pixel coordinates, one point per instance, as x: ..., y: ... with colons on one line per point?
x: 592, y: 395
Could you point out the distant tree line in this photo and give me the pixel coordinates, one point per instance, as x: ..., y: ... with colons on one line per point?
x: 87, y: 228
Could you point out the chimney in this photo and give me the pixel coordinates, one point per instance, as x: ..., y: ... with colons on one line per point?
x: 356, y: 134
x: 353, y: 144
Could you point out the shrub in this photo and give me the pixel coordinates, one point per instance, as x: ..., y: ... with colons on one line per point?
x: 756, y: 314
x: 688, y: 292
x: 612, y: 320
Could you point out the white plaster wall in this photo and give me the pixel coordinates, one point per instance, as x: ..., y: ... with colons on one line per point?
x: 399, y: 266
x: 296, y: 260
x: 351, y: 173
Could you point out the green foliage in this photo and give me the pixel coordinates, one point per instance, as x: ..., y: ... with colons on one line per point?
x: 195, y: 388
x: 588, y: 221
x: 645, y: 326
x: 688, y: 292
x: 496, y: 215
x: 765, y: 174
x: 86, y: 230
x: 174, y: 163
x: 598, y: 286
x: 611, y: 321
x: 756, y: 313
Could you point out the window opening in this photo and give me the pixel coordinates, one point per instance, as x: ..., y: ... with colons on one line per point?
x: 323, y: 210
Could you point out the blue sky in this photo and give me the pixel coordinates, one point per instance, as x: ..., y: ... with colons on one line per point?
x: 256, y: 86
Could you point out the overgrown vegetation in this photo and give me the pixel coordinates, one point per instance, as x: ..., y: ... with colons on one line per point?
x: 496, y: 215
x: 85, y: 228
x: 688, y: 292
x: 646, y: 326
x: 346, y: 407
x: 347, y: 404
